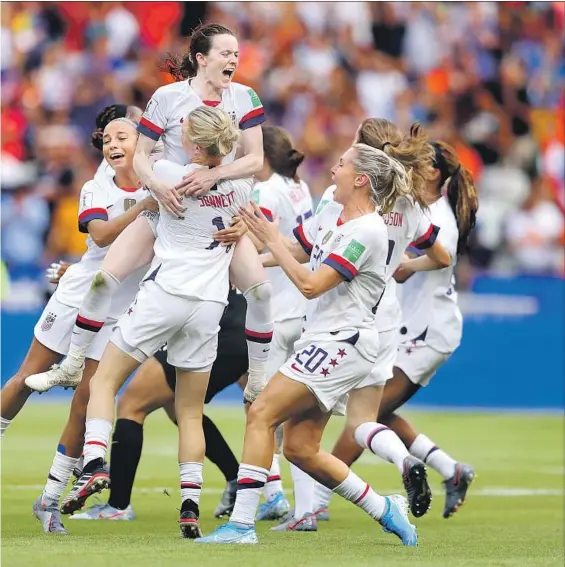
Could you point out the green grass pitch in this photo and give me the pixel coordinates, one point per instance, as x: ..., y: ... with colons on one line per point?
x: 513, y: 516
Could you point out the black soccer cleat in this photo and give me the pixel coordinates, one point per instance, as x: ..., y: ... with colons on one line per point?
x: 188, y: 522
x: 95, y: 478
x: 416, y: 484
x: 456, y: 488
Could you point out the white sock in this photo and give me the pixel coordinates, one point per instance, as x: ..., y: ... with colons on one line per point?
x: 259, y: 329
x: 322, y: 496
x: 361, y: 494
x: 59, y: 475
x: 4, y: 423
x: 96, y: 439
x: 304, y: 488
x: 383, y: 442
x: 426, y: 450
x: 250, y: 482
x: 191, y: 481
x: 274, y: 483
x: 91, y: 317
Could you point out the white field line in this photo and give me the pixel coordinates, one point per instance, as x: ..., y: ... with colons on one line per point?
x: 499, y: 492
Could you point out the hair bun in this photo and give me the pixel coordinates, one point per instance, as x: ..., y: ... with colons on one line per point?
x: 96, y: 138
x: 295, y: 157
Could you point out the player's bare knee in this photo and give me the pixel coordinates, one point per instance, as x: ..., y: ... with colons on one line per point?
x: 299, y: 451
x: 130, y: 409
x: 260, y: 415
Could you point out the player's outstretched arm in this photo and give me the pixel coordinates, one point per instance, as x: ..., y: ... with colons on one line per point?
x: 310, y: 284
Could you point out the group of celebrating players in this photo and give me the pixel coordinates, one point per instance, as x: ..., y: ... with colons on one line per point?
x: 301, y: 307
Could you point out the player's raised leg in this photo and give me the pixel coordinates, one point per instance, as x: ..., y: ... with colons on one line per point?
x: 131, y: 250
x: 282, y: 399
x: 247, y: 274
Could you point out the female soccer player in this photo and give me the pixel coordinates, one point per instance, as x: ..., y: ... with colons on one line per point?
x: 40, y: 357
x: 431, y: 321
x: 104, y: 211
x: 346, y: 245
x: 203, y: 77
x: 180, y: 302
x: 405, y: 222
x: 361, y: 430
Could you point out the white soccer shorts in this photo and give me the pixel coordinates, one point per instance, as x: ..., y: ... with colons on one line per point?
x: 419, y: 361
x: 382, y: 369
x: 329, y: 369
x: 189, y: 327
x: 55, y: 327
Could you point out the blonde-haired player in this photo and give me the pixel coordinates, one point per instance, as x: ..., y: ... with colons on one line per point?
x: 180, y: 302
x: 347, y: 245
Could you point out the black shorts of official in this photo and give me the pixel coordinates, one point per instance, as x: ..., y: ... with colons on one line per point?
x: 231, y: 361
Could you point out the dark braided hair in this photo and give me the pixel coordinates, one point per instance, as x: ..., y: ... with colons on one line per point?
x: 107, y: 115
x: 185, y: 67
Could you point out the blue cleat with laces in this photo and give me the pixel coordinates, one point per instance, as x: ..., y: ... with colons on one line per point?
x: 230, y: 533
x: 395, y: 520
x: 275, y: 509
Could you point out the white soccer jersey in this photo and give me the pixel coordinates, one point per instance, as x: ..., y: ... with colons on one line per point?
x: 99, y: 199
x: 290, y: 202
x: 170, y: 105
x: 407, y: 224
x: 428, y: 299
x: 357, y: 250
x: 188, y: 261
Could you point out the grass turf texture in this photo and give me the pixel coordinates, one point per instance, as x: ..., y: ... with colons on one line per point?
x: 502, y: 523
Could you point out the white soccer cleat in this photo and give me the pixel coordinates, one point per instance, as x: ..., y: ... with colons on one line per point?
x: 57, y: 375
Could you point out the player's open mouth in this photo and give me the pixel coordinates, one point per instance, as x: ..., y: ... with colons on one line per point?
x: 228, y: 73
x: 116, y: 155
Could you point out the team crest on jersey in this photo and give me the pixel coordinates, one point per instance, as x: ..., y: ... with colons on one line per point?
x: 233, y: 117
x: 129, y: 203
x: 327, y: 237
x: 48, y: 321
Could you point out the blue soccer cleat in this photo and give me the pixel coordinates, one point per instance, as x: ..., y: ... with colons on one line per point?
x: 395, y: 520
x: 230, y: 533
x: 275, y: 509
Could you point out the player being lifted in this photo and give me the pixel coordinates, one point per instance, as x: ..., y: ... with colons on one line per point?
x: 180, y: 302
x: 346, y: 245
x: 204, y: 77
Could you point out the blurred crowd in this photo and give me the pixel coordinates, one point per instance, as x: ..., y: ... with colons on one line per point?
x: 487, y: 77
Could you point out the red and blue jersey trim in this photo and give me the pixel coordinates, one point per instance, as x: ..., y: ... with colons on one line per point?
x: 342, y: 266
x: 149, y: 129
x: 301, y: 237
x: 428, y: 239
x: 253, y: 118
x: 267, y: 213
x: 89, y: 215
